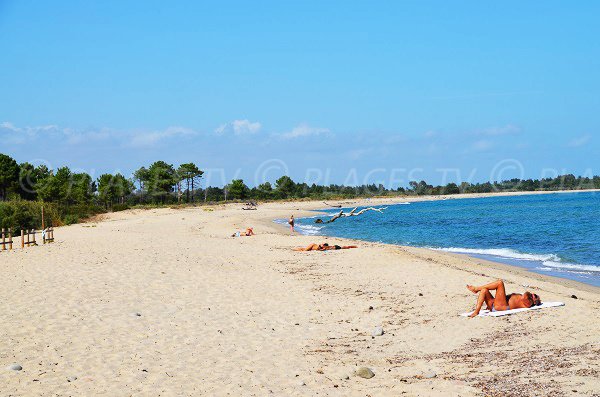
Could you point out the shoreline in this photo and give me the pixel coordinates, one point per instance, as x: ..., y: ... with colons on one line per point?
x: 314, y: 208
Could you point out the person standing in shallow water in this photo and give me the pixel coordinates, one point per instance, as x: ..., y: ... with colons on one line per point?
x: 291, y: 222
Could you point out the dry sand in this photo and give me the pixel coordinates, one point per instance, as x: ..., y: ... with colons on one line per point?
x: 164, y: 302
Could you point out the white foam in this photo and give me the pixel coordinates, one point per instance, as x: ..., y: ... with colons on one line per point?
x: 502, y: 253
x: 324, y: 215
x: 571, y: 266
x: 308, y: 230
x: 549, y: 261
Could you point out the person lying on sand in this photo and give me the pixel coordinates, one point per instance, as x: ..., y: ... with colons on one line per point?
x: 502, y: 301
x: 324, y: 247
x: 248, y: 232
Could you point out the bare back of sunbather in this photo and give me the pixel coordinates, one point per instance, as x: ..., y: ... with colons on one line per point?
x: 324, y: 247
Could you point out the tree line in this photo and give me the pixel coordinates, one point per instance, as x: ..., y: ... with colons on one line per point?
x: 74, y: 195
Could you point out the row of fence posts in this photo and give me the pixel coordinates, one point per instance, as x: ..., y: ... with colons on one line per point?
x: 27, y: 238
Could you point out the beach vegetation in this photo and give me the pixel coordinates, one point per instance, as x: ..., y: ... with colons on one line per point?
x: 70, y: 197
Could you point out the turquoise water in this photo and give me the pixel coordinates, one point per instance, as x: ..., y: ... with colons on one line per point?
x: 554, y: 234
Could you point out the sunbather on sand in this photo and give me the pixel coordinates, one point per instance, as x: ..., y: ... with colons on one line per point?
x: 324, y: 247
x: 501, y: 301
x: 248, y: 232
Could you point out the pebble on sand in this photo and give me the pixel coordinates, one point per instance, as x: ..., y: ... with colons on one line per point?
x: 364, y: 372
x: 71, y: 379
x: 377, y: 331
x: 429, y: 374
x: 136, y: 314
x: 14, y: 367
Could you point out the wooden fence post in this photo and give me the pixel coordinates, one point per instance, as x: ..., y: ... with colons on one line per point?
x: 33, y: 237
x: 22, y: 238
x: 10, y: 238
x: 3, y: 240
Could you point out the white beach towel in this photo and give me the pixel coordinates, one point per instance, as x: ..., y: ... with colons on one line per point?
x: 487, y: 313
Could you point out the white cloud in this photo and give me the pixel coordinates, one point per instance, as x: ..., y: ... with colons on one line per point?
x: 8, y: 126
x: 147, y: 139
x: 239, y: 127
x: 304, y: 130
x: 13, y: 134
x: 582, y: 140
x: 18, y: 135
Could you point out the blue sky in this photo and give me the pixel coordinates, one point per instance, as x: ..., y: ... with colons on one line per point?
x: 327, y: 91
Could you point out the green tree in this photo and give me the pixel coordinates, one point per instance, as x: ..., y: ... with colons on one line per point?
x: 82, y: 188
x: 28, y: 178
x: 191, y: 174
x: 142, y: 176
x: 57, y: 186
x: 63, y: 179
x: 113, y: 189
x: 285, y: 185
x: 9, y: 175
x: 263, y: 191
x: 161, y: 179
x: 451, y: 188
x: 237, y: 189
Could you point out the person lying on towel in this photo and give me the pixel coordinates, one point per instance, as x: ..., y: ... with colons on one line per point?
x: 249, y: 232
x: 502, y: 301
x: 324, y: 247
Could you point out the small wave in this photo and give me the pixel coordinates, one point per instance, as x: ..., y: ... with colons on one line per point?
x: 323, y: 215
x: 572, y: 266
x: 549, y: 261
x: 502, y: 253
x: 308, y: 230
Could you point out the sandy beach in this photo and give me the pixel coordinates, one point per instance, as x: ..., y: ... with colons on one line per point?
x: 164, y: 302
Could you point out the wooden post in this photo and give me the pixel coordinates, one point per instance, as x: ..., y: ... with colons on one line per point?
x: 43, y: 223
x: 10, y: 238
x: 3, y: 241
x: 33, y: 237
x: 22, y: 238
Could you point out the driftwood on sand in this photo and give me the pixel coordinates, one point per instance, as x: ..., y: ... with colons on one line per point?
x: 332, y: 205
x: 343, y: 214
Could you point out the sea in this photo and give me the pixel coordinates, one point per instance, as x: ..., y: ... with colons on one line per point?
x: 556, y: 234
